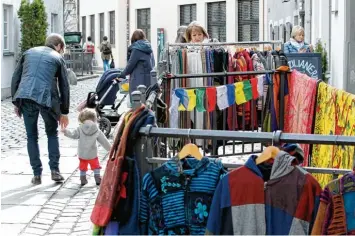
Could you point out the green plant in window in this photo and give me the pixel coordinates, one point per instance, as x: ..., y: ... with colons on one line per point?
x: 320, y: 48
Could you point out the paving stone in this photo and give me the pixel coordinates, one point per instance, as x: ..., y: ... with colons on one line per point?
x: 56, y: 204
x: 59, y: 231
x: 43, y: 221
x: 41, y: 226
x: 47, y: 216
x: 11, y: 214
x: 71, y: 214
x: 36, y: 231
x: 53, y: 207
x: 64, y: 219
x: 50, y: 211
x: 63, y: 225
x: 73, y: 210
x: 11, y: 229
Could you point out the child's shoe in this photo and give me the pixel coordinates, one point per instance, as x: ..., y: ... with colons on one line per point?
x: 97, y: 179
x: 83, y: 180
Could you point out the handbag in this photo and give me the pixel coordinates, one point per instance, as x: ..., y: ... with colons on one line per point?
x: 111, y: 184
x: 112, y: 64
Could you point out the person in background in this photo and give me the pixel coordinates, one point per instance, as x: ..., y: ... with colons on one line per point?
x: 196, y: 33
x: 87, y: 134
x: 180, y: 37
x: 140, y: 61
x: 297, y: 43
x: 40, y: 86
x: 89, y: 50
x: 106, y: 53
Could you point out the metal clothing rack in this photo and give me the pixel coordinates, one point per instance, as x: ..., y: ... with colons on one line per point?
x: 221, y: 44
x: 266, y: 137
x: 219, y: 74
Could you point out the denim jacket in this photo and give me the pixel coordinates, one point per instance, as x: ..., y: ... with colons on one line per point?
x: 41, y: 76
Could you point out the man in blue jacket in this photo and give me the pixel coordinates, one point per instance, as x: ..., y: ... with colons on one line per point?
x: 39, y: 74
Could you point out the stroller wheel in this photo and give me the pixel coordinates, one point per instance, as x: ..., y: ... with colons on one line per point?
x: 105, y: 126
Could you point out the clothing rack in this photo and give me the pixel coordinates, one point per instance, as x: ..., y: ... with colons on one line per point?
x: 266, y: 137
x: 225, y: 43
x: 219, y: 74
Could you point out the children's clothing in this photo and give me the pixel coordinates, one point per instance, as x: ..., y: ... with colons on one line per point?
x: 87, y: 134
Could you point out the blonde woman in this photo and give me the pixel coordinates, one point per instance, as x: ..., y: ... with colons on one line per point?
x: 297, y: 43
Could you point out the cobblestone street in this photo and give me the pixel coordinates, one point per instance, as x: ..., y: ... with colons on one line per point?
x: 49, y: 208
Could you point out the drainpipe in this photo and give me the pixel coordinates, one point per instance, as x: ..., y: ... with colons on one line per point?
x: 78, y: 15
x: 330, y: 37
x: 310, y: 20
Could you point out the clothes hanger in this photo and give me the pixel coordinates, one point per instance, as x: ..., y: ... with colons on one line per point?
x: 269, y: 153
x: 190, y: 149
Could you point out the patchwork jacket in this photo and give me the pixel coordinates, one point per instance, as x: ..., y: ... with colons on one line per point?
x: 244, y: 204
x: 336, y: 213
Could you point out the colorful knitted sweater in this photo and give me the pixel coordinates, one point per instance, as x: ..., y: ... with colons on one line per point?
x: 178, y: 202
x: 245, y: 204
x: 336, y: 213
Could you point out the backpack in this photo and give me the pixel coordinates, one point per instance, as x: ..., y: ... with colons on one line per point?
x: 90, y: 48
x: 106, y: 50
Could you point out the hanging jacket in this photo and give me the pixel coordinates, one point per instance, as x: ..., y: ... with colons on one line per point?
x: 249, y: 202
x: 336, y: 213
x: 175, y: 202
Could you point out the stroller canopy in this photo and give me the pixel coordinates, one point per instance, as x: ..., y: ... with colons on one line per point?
x: 105, y: 83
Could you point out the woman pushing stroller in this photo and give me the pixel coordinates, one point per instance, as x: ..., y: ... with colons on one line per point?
x: 140, y: 62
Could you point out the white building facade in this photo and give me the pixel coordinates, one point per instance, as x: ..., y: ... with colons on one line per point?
x: 11, y: 36
x: 330, y: 21
x: 229, y: 20
x: 105, y: 18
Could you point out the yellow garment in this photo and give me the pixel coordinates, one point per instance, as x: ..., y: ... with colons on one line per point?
x: 345, y: 125
x: 239, y: 93
x: 335, y: 115
x: 192, y: 101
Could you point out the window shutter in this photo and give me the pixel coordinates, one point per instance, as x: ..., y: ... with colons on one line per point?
x: 143, y: 21
x: 187, y: 14
x: 248, y: 20
x: 216, y: 20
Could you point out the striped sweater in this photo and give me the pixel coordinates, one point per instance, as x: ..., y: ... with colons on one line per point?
x: 244, y: 204
x: 174, y: 202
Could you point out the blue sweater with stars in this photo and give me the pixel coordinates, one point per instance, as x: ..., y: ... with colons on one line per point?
x: 178, y: 202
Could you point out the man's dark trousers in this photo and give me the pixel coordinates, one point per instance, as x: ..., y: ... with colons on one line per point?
x: 30, y: 111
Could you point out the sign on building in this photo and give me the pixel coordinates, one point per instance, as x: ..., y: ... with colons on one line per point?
x: 307, y: 63
x: 161, y: 41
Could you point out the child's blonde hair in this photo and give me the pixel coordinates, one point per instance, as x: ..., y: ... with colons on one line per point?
x: 87, y: 114
x: 195, y: 25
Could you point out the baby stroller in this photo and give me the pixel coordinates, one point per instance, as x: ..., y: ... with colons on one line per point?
x: 106, y: 95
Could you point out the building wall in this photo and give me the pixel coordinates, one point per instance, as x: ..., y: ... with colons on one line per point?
x: 9, y: 57
x: 320, y: 23
x: 169, y: 17
x: 94, y: 7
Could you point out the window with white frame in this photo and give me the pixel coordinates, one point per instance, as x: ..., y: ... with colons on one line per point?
x: 248, y: 20
x: 143, y: 21
x: 92, y: 28
x: 6, y: 27
x: 187, y: 14
x: 112, y: 28
x: 54, y: 23
x: 216, y: 20
x: 83, y: 28
x: 102, y: 26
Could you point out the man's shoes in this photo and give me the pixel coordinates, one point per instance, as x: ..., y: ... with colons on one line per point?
x: 83, y: 180
x: 56, y: 176
x: 36, y: 180
x: 97, y: 179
